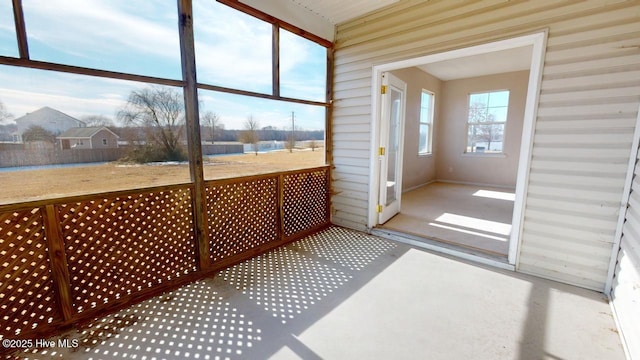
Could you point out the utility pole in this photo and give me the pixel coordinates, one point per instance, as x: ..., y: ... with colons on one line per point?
x: 292, y: 140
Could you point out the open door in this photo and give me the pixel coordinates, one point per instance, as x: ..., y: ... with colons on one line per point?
x: 391, y: 145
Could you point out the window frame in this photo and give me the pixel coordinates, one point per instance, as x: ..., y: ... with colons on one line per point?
x: 468, y: 124
x: 429, y: 124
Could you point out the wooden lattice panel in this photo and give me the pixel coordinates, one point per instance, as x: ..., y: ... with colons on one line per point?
x: 305, y: 201
x: 242, y: 215
x: 119, y: 246
x: 27, y: 299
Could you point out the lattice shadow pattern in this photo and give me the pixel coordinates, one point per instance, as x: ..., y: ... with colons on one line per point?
x: 305, y: 201
x: 350, y: 249
x: 285, y: 282
x: 27, y: 299
x: 119, y: 246
x: 242, y: 215
x: 193, y: 322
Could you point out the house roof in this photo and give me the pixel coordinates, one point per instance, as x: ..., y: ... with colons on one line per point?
x: 83, y: 132
x: 46, y: 114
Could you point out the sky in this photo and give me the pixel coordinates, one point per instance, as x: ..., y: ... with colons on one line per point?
x: 141, y: 37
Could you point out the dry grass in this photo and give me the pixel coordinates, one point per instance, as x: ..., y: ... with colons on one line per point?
x: 18, y: 186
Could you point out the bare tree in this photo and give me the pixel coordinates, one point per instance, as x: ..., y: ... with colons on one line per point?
x: 160, y: 111
x: 213, y: 121
x: 38, y: 133
x: 250, y: 134
x: 313, y: 144
x: 4, y: 114
x: 97, y: 120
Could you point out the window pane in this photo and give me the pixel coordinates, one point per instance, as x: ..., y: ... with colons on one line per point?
x: 424, y: 147
x: 55, y: 145
x: 235, y: 127
x: 480, y: 100
x: 485, y: 138
x: 497, y: 114
x: 232, y: 49
x: 8, y: 44
x: 477, y: 112
x: 426, y: 110
x: 139, y: 37
x: 303, y: 68
x: 499, y: 98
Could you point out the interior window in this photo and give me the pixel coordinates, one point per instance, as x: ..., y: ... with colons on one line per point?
x: 426, y: 123
x: 486, y: 121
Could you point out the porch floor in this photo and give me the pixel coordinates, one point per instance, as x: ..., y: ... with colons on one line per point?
x: 342, y: 294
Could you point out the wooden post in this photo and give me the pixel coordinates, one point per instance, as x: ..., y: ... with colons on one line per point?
x: 275, y: 60
x: 328, y: 131
x: 58, y: 261
x: 187, y: 52
x: 21, y: 31
x: 281, y: 228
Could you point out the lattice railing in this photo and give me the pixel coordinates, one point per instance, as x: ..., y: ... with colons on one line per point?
x: 67, y: 260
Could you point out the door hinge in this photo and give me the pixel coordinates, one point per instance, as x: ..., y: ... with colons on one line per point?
x: 383, y: 89
x: 381, y: 151
x: 379, y: 208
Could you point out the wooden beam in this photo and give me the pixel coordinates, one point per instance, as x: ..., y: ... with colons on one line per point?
x: 259, y: 95
x: 275, y: 60
x: 21, y: 30
x: 188, y: 58
x: 273, y: 20
x: 43, y: 65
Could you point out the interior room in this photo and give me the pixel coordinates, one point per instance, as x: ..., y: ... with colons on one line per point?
x: 459, y: 173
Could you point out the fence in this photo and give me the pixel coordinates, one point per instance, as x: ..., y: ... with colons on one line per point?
x: 70, y: 259
x: 35, y: 157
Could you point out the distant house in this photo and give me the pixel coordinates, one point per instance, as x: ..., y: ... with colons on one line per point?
x: 50, y: 119
x: 88, y: 138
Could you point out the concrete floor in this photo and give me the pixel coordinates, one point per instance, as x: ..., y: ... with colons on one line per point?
x: 342, y: 294
x: 475, y: 217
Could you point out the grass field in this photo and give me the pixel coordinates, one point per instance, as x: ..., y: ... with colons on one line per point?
x: 24, y: 185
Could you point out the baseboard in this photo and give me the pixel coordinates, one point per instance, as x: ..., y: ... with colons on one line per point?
x: 418, y: 186
x: 475, y: 184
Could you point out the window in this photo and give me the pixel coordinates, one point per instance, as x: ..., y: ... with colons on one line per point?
x: 426, y: 122
x: 104, y: 141
x: 486, y: 121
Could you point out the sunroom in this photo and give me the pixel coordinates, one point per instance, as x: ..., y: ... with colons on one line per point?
x: 177, y: 251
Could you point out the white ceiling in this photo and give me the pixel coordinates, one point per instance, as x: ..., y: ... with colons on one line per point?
x: 497, y: 62
x: 339, y: 11
x: 318, y: 17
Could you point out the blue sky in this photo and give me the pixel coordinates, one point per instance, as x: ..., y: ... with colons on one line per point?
x: 141, y: 37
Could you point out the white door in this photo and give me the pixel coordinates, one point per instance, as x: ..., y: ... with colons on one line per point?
x: 391, y: 146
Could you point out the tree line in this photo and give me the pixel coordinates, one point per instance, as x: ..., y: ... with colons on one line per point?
x: 154, y: 121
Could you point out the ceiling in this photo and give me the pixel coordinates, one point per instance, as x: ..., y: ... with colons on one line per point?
x: 339, y: 11
x: 496, y: 62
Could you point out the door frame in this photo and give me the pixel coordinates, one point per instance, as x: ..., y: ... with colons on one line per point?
x: 538, y: 41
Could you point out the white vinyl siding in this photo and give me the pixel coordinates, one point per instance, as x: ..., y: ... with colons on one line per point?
x: 583, y: 134
x: 626, y: 282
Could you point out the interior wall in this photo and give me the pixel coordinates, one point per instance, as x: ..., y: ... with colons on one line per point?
x: 417, y: 169
x: 452, y: 163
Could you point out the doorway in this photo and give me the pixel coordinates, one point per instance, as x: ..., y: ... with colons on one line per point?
x: 390, y: 154
x: 537, y: 44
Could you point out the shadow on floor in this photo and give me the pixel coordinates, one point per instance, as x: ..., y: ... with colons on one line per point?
x: 342, y: 294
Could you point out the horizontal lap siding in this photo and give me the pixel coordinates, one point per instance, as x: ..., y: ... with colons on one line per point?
x: 588, y: 105
x: 626, y: 283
